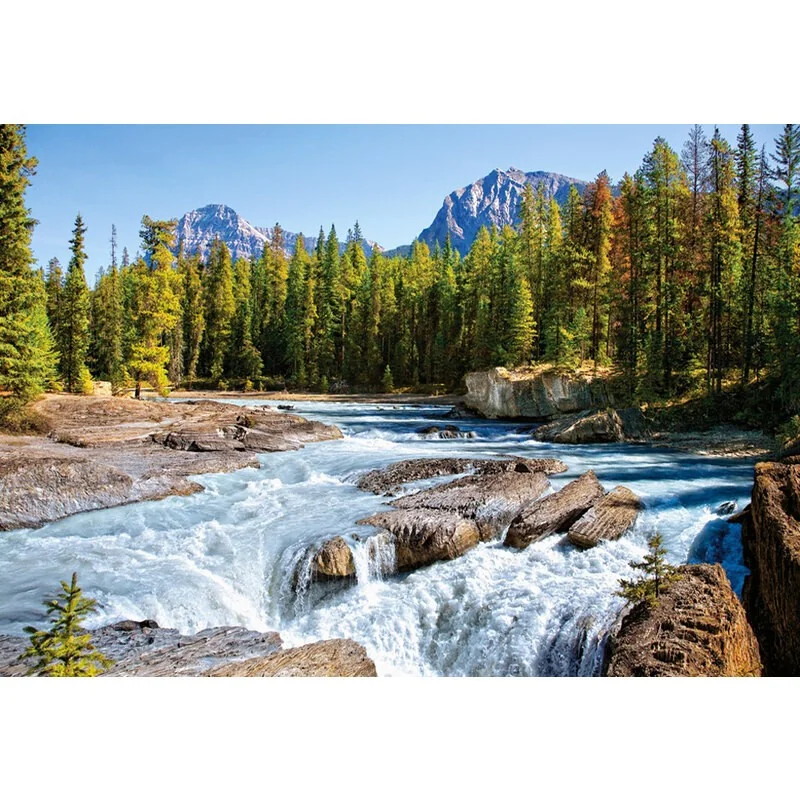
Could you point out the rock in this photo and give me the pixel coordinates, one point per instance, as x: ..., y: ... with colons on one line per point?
x: 334, y: 559
x: 590, y: 427
x: 143, y: 649
x: 108, y: 451
x: 725, y: 509
x: 532, y: 393
x: 459, y: 411
x: 422, y: 536
x: 697, y: 628
x: 491, y: 500
x: 634, y: 424
x: 607, y: 519
x: 102, y: 388
x: 449, y: 432
x: 388, y: 480
x: 332, y: 658
x: 771, y: 542
x: 555, y: 512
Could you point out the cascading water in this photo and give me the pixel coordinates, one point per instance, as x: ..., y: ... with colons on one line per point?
x: 240, y: 552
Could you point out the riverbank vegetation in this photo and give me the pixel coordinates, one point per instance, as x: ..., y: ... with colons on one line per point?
x: 683, y: 280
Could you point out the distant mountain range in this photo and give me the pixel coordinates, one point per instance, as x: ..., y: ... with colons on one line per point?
x: 493, y: 200
x: 197, y: 230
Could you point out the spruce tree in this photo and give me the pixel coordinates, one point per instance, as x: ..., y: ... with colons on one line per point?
x: 194, y: 321
x: 27, y: 352
x: 66, y: 651
x: 658, y: 571
x: 73, y: 327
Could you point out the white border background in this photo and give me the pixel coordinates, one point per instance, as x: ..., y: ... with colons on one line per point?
x: 347, y: 61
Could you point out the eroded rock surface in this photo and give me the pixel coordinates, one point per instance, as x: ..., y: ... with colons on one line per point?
x: 608, y: 519
x: 535, y: 394
x: 142, y: 649
x: 771, y: 540
x: 332, y: 658
x: 108, y: 451
x: 698, y: 628
x: 390, y: 479
x: 591, y: 427
x: 555, y: 512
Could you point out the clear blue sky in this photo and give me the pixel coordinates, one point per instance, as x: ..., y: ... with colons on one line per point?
x: 392, y: 178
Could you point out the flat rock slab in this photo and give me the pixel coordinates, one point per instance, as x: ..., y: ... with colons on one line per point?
x: 491, y: 500
x: 108, y: 451
x: 555, y: 512
x: 607, y: 519
x: 389, y: 480
x: 142, y: 649
x: 697, y: 628
x: 332, y: 658
x: 422, y: 536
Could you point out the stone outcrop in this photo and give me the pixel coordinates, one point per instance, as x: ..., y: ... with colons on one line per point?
x: 448, y: 432
x: 389, y: 480
x: 421, y: 536
x: 334, y: 559
x: 771, y: 540
x: 591, y: 427
x: 554, y: 513
x: 332, y: 658
x: 606, y: 520
x: 697, y: 628
x: 108, y: 451
x: 143, y: 649
x: 491, y: 500
x: 533, y: 394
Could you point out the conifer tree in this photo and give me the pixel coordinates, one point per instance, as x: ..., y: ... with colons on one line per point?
x: 658, y: 571
x: 194, y: 320
x: 66, y: 651
x: 107, y: 321
x: 220, y: 307
x: 74, y: 336
x: 27, y: 351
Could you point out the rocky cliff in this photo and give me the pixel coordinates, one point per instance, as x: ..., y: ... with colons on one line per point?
x: 771, y: 540
x: 698, y: 628
x: 533, y: 394
x: 491, y: 200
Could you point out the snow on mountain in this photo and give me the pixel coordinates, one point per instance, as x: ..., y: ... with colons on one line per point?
x: 494, y: 199
x: 197, y: 229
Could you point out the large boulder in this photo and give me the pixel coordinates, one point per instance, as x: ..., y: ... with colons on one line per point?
x: 332, y: 658
x: 388, y: 480
x: 421, y: 536
x: 607, y: 519
x: 771, y: 540
x: 697, y: 628
x: 333, y: 559
x: 591, y: 427
x: 555, y: 512
x: 533, y: 394
x: 491, y: 500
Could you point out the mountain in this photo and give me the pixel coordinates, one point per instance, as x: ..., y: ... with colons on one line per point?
x: 491, y: 200
x: 198, y: 228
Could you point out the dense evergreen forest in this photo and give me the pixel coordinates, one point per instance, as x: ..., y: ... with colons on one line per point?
x: 683, y: 277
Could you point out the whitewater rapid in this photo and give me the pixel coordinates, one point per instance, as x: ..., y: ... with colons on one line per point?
x: 228, y: 555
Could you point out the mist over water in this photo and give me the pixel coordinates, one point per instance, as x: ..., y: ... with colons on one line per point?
x: 230, y: 555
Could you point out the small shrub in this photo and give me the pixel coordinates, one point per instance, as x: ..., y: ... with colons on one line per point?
x: 66, y: 651
x: 658, y: 575
x: 85, y: 382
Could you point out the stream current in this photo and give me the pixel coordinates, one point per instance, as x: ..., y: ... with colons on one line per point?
x: 228, y: 555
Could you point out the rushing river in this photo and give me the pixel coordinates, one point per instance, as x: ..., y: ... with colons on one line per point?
x: 227, y: 556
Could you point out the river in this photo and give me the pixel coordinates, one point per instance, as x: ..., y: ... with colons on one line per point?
x: 227, y: 556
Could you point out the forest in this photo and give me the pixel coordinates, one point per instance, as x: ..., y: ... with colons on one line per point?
x: 683, y: 277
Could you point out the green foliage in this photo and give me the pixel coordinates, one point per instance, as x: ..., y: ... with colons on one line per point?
x: 659, y: 574
x: 27, y: 350
x: 387, y: 383
x: 73, y: 328
x: 66, y: 651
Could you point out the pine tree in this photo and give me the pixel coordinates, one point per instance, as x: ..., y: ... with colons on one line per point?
x: 220, y: 307
x: 659, y: 574
x: 107, y: 321
x: 74, y: 336
x: 65, y: 651
x: 27, y: 352
x: 194, y: 321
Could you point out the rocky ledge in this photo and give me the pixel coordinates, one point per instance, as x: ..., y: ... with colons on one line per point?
x: 534, y: 394
x: 771, y: 540
x: 143, y: 649
x: 590, y: 427
x: 103, y: 452
x: 698, y: 628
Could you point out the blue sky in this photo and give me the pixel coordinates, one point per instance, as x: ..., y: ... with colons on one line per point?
x: 392, y: 178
